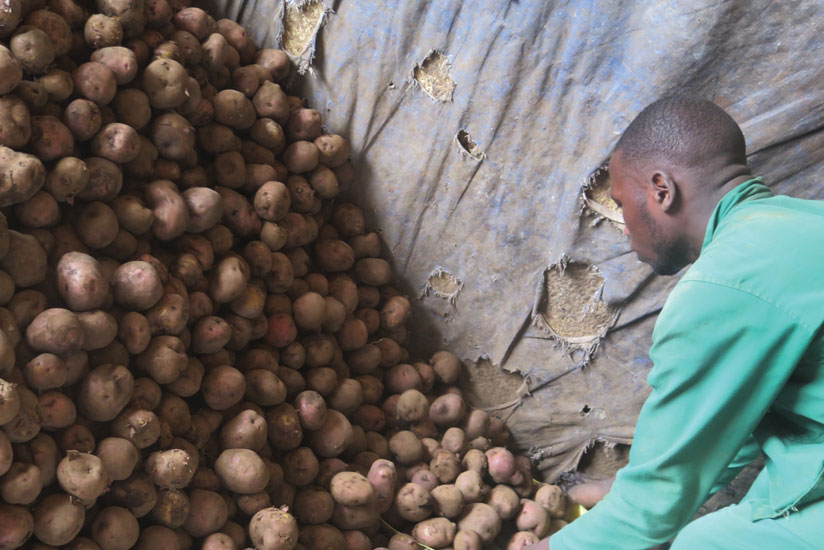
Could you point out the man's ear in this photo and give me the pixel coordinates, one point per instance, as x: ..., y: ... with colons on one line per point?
x: 664, y: 190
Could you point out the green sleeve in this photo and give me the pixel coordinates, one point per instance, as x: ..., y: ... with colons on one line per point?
x: 720, y: 355
x: 748, y: 452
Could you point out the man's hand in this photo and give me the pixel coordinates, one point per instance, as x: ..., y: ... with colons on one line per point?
x: 590, y: 493
x: 540, y: 545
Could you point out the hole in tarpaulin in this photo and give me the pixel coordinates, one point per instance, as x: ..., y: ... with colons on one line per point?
x: 585, y: 410
x: 301, y: 22
x: 468, y: 146
x: 433, y: 76
x: 597, y: 198
x: 602, y: 460
x: 443, y: 284
x: 571, y: 305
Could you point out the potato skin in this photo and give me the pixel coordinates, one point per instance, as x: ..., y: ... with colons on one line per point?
x: 21, y: 176
x: 16, y: 526
x: 273, y: 529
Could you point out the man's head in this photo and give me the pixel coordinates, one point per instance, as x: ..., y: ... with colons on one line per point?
x: 668, y: 171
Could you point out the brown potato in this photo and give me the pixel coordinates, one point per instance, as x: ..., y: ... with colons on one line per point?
x: 115, y: 528
x: 482, y: 519
x: 34, y: 49
x: 15, y: 122
x: 58, y: 519
x: 119, y: 457
x: 274, y: 529
x: 96, y: 82
x: 83, y: 117
x: 21, y: 484
x: 116, y: 142
x: 82, y: 475
x: 165, y: 82
x: 170, y: 469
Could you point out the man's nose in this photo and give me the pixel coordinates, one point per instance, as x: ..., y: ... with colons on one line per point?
x: 626, y: 230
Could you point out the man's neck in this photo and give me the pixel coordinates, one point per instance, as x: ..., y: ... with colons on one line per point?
x: 700, y: 217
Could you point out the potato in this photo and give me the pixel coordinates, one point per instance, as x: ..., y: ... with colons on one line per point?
x: 170, y: 469
x: 505, y: 501
x: 445, y: 465
x: 208, y: 513
x: 171, y: 215
x: 105, y: 181
x: 210, y: 334
x: 300, y: 467
x: 229, y: 279
x: 57, y: 411
x: 352, y: 489
x: 471, y: 486
x: 9, y: 406
x: 102, y: 31
x: 104, y: 392
x: 553, y: 499
x: 95, y: 81
x: 137, y: 285
x: 44, y: 372
x: 501, y: 464
x: 412, y: 406
x: 205, y: 208
x: 56, y: 331
x: 139, y: 426
x: 15, y: 122
x: 273, y: 529
x: 119, y: 457
x: 34, y: 49
x: 58, y: 519
x: 300, y: 157
x: 16, y: 526
x: 482, y: 519
x: 173, y: 136
x: 158, y: 537
x: 83, y: 117
x: 447, y: 410
x: 21, y: 176
x: 521, y: 540
x: 115, y: 528
x: 168, y: 507
x: 223, y: 386
x: 131, y: 106
x: 533, y: 518
x: 165, y: 82
x: 21, y: 484
x: 333, y: 150
x: 333, y: 437
x: 436, y: 532
x: 116, y: 142
x: 313, y: 505
x: 234, y: 109
x: 269, y: 134
x: 11, y: 71
x: 414, y: 503
x: 247, y: 430
x: 82, y: 475
x: 242, y: 471
x: 121, y: 61
x: 447, y: 367
x: 270, y: 102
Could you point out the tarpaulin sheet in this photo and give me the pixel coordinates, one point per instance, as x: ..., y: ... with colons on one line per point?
x: 475, y: 126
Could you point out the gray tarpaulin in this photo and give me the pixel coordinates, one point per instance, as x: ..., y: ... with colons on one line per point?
x: 475, y: 129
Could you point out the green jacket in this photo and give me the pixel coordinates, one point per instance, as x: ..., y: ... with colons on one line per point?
x: 738, y: 353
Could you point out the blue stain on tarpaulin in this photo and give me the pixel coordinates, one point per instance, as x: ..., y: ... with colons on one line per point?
x: 545, y: 88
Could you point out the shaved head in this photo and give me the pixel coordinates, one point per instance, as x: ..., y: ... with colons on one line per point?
x: 682, y: 131
x: 668, y: 171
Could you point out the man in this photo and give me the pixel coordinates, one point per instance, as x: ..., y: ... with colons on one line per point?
x: 738, y: 349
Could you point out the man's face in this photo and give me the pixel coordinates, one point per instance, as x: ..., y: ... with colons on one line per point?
x: 648, y: 228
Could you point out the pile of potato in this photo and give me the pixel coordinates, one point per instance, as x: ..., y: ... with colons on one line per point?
x: 200, y: 347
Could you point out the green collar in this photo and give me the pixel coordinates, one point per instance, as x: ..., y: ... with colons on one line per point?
x: 750, y: 189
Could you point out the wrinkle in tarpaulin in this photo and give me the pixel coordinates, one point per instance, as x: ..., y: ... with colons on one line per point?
x: 546, y: 88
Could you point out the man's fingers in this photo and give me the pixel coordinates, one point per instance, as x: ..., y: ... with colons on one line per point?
x: 589, y: 494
